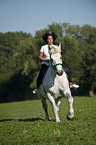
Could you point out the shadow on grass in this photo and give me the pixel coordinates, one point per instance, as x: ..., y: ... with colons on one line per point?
x: 23, y: 120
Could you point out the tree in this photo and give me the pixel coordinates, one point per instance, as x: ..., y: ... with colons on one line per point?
x: 26, y: 55
x: 75, y: 31
x: 71, y: 56
x: 87, y: 45
x: 10, y: 68
x: 19, y: 61
x: 89, y: 65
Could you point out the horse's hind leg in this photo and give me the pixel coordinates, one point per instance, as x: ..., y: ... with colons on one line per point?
x: 45, y: 107
x: 70, y: 115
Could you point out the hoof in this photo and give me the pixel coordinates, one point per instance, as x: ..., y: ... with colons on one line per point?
x: 48, y: 118
x: 70, y: 118
x: 58, y: 121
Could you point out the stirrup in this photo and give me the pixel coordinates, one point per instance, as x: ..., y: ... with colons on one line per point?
x: 74, y: 85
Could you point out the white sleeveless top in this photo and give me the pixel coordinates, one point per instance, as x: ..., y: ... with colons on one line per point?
x: 46, y: 54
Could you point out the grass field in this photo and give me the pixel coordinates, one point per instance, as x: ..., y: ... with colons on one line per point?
x: 23, y: 123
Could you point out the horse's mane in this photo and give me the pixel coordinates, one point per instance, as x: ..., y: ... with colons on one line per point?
x: 54, y: 50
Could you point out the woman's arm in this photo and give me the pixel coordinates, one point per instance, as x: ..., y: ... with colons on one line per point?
x: 42, y: 58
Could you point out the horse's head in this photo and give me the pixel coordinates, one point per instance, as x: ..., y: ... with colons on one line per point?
x: 56, y: 60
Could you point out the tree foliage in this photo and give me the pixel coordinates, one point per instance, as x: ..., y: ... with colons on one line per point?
x: 19, y: 57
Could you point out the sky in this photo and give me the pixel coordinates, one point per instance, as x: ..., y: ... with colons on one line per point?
x: 32, y: 15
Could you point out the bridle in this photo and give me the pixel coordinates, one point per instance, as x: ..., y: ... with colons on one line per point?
x: 54, y: 65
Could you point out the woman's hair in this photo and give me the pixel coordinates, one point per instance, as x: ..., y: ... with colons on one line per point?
x: 45, y: 36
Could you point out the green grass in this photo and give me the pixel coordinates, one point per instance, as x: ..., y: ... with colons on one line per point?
x: 23, y: 123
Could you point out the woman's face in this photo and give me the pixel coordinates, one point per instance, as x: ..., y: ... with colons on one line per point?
x: 50, y: 40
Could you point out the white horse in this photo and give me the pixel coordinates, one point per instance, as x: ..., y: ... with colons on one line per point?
x: 55, y: 84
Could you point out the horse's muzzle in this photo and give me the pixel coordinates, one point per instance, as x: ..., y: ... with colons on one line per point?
x: 60, y: 73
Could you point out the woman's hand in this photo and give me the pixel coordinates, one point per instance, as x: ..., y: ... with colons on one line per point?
x: 42, y: 58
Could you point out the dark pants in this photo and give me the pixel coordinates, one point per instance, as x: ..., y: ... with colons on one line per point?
x: 42, y: 72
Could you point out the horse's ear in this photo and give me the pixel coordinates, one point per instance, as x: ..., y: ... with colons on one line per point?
x: 60, y: 47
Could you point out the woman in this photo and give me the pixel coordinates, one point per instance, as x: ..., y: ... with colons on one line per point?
x: 44, y: 55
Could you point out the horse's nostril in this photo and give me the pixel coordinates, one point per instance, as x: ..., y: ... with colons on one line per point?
x: 60, y: 73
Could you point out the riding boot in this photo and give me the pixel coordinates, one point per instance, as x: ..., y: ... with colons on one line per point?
x: 72, y: 84
x: 39, y: 80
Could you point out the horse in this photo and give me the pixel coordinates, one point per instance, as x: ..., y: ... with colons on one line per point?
x: 55, y: 85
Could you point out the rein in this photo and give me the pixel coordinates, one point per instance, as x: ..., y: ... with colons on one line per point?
x: 54, y: 66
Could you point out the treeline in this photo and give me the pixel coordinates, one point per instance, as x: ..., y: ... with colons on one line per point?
x: 19, y: 62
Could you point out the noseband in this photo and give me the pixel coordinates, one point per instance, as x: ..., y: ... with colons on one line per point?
x: 54, y: 66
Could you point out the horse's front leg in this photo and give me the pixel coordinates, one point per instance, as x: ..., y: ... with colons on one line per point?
x: 55, y: 106
x: 70, y: 115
